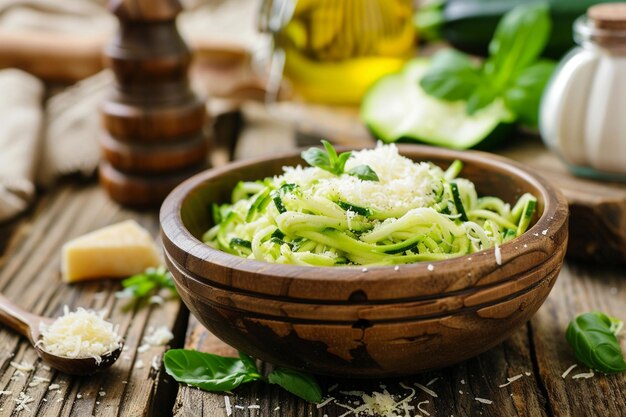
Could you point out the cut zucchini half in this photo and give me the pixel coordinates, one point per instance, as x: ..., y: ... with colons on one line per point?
x: 396, y: 107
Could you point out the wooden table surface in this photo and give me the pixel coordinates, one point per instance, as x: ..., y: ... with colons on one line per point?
x: 534, y: 358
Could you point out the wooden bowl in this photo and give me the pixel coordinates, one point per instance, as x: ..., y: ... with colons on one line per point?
x: 345, y: 321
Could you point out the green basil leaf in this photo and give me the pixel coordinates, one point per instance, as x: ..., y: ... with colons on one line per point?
x: 316, y: 158
x: 206, y: 371
x: 451, y: 76
x: 616, y: 325
x: 481, y: 98
x: 303, y: 385
x: 519, y: 38
x: 594, y: 343
x: 248, y: 361
x: 341, y: 162
x: 332, y: 153
x: 327, y: 160
x: 364, y: 172
x: 523, y: 97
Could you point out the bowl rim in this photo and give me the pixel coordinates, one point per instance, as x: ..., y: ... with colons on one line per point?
x: 550, y: 229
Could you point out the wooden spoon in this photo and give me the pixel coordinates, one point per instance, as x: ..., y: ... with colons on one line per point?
x: 27, y: 324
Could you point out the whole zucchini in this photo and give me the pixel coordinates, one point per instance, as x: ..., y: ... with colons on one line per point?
x: 469, y: 24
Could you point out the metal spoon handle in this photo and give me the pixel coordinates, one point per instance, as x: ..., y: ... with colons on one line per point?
x: 16, y: 317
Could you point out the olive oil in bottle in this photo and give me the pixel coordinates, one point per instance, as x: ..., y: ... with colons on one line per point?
x: 333, y: 50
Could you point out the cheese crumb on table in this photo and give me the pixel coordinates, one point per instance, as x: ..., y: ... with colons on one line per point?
x: 22, y: 400
x: 80, y: 334
x: 568, y: 370
x: 426, y: 390
x: 22, y: 366
x: 159, y: 336
x: 115, y: 251
x: 483, y: 400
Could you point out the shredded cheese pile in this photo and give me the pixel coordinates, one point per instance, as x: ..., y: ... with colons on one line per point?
x: 403, y: 184
x: 80, y: 334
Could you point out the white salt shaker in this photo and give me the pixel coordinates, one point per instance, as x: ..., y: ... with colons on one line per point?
x: 583, y: 112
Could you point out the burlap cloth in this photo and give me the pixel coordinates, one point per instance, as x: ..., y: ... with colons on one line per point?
x: 39, y: 142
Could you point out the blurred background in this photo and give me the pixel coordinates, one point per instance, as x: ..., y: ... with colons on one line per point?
x: 153, y: 91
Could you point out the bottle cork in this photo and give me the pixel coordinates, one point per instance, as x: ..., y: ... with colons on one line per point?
x: 610, y: 16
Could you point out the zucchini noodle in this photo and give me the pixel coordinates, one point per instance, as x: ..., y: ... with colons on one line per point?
x: 414, y: 212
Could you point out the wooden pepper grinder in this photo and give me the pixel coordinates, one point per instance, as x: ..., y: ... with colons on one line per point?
x: 154, y: 125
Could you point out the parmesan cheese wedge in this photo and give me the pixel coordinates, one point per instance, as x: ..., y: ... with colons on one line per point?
x: 115, y: 251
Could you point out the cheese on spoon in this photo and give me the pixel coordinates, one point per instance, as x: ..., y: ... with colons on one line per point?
x: 80, y: 334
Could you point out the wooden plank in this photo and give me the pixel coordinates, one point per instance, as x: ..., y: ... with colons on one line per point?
x: 580, y: 288
x: 457, y: 387
x: 30, y: 276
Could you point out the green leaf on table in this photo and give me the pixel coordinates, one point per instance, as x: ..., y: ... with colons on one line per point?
x: 140, y: 287
x: 219, y: 373
x: 519, y: 39
x: 364, y: 172
x: 207, y: 371
x: 593, y: 338
x: 524, y: 95
x: 298, y: 383
x: 248, y: 362
x: 451, y: 76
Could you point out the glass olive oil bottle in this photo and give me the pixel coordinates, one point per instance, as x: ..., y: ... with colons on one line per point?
x: 333, y: 50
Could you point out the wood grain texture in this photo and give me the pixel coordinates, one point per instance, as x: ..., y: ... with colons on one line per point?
x: 581, y: 288
x: 29, y: 276
x: 155, y: 125
x: 456, y: 387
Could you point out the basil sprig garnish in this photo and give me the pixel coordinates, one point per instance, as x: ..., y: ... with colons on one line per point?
x: 328, y: 160
x: 593, y: 336
x: 140, y: 287
x: 513, y: 71
x: 219, y: 373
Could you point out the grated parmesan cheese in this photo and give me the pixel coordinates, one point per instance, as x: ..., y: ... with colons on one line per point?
x: 585, y: 375
x: 159, y: 337
x: 80, y: 334
x: 22, y: 366
x: 38, y: 380
x: 22, y: 400
x: 326, y: 401
x: 229, y: 408
x: 510, y: 380
x: 419, y: 407
x: 403, y: 184
x: 498, y: 253
x: 483, y: 400
x: 426, y: 390
x: 568, y: 370
x: 53, y: 387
